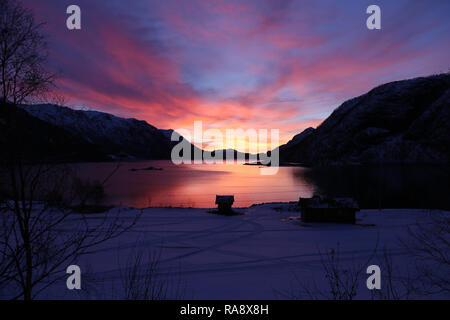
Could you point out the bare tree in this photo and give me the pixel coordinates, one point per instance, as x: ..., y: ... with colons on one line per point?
x: 40, y: 232
x: 397, y: 284
x: 23, y: 54
x: 342, y: 278
x: 142, y: 278
x: 429, y: 276
x: 429, y: 242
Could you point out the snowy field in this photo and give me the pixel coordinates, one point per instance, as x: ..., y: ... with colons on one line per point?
x: 265, y: 253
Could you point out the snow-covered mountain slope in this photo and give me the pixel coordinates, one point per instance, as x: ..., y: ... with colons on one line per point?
x: 32, y: 139
x: 399, y: 122
x: 114, y: 136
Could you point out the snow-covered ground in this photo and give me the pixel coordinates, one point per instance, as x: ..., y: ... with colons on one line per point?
x: 263, y: 254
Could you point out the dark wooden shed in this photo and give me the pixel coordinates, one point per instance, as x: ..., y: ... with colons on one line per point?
x: 318, y: 209
x: 224, y: 204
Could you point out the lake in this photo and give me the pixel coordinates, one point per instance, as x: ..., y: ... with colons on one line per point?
x: 197, y: 185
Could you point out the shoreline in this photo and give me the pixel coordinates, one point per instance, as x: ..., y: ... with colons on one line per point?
x: 287, y: 203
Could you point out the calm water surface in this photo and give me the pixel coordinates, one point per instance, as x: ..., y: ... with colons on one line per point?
x: 197, y: 185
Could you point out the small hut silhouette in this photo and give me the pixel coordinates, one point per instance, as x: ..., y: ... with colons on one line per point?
x: 224, y: 204
x: 317, y: 209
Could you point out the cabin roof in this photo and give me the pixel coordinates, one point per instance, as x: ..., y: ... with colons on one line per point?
x: 224, y: 199
x: 319, y: 202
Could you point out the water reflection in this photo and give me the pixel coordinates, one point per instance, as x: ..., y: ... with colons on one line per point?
x: 197, y: 185
x: 410, y: 186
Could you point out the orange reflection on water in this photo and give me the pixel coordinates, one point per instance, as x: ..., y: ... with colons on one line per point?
x: 196, y: 185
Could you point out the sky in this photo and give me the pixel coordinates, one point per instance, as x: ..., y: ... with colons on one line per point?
x: 261, y: 64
